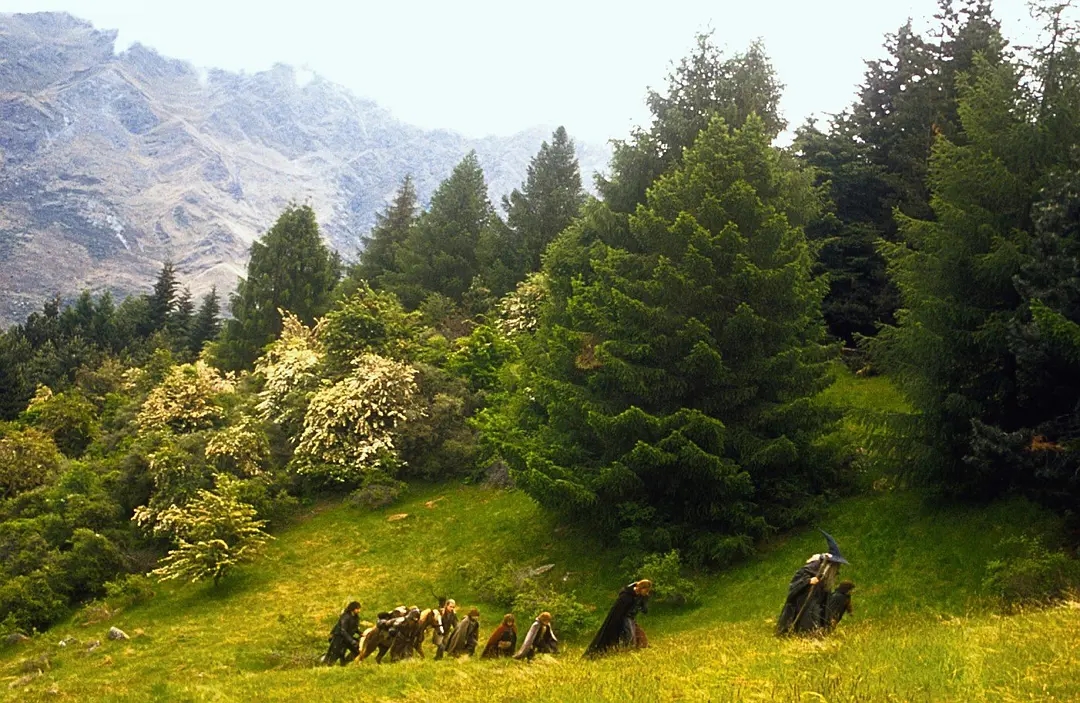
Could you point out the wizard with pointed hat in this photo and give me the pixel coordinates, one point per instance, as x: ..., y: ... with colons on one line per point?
x: 809, y: 590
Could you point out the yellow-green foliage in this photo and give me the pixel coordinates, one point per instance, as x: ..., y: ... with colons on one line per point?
x: 28, y: 459
x: 350, y: 426
x: 185, y: 400
x: 241, y: 447
x: 289, y: 371
x: 215, y: 532
x: 519, y: 310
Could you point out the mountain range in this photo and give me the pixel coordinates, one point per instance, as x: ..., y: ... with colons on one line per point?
x: 113, y: 162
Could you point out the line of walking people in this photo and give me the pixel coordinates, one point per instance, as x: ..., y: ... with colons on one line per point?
x: 401, y: 633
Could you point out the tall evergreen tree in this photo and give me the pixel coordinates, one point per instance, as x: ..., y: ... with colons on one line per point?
x: 163, y: 299
x: 547, y: 202
x: 439, y: 255
x: 180, y: 321
x: 667, y: 397
x: 206, y: 324
x: 704, y: 84
x: 290, y: 269
x: 389, y: 233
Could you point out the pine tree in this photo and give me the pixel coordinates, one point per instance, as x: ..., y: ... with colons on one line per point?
x: 949, y: 350
x: 704, y: 84
x: 206, y: 324
x: 546, y: 204
x: 667, y: 397
x: 163, y: 299
x: 440, y: 253
x: 182, y: 318
x: 390, y: 231
x: 290, y: 269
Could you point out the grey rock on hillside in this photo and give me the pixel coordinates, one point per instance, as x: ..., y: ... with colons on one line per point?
x: 110, y: 163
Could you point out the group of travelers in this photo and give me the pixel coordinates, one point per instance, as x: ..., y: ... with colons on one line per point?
x: 401, y: 632
x: 815, y: 603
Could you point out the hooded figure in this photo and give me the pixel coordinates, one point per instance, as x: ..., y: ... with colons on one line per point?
x: 466, y: 636
x: 345, y: 637
x: 839, y: 603
x: 503, y: 641
x: 809, y: 590
x: 539, y: 640
x: 620, y: 628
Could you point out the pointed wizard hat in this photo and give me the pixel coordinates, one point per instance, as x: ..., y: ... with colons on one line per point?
x: 834, y: 549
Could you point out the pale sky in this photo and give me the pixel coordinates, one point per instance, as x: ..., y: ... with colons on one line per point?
x: 481, y: 67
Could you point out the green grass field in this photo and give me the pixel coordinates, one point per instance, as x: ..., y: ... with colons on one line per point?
x: 923, y: 629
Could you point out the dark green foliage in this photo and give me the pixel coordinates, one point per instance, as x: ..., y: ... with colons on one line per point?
x: 1027, y: 573
x: 669, y: 584
x: 704, y: 84
x: 546, y: 204
x: 290, y: 269
x: 182, y: 318
x: 377, y: 491
x: 440, y: 444
x: 162, y: 302
x: 386, y: 238
x: 90, y: 561
x: 206, y: 324
x: 667, y: 394
x: 70, y: 419
x: 479, y: 357
x: 439, y: 254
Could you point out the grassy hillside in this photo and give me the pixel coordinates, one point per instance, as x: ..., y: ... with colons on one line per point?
x: 923, y: 629
x: 920, y: 631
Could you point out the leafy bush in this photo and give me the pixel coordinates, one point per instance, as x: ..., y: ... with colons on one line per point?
x: 89, y: 563
x: 28, y: 459
x: 569, y: 616
x: 350, y: 427
x: 30, y: 602
x: 377, y: 491
x: 241, y: 449
x: 129, y: 590
x: 288, y: 369
x: 669, y: 585
x: 69, y: 418
x: 185, y: 400
x: 1029, y: 573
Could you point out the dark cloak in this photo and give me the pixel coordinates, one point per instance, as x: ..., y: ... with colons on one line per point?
x: 619, y: 628
x: 502, y: 632
x: 801, y: 593
x: 838, y: 604
x: 344, y: 639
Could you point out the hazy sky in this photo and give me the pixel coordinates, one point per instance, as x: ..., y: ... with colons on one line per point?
x: 483, y: 67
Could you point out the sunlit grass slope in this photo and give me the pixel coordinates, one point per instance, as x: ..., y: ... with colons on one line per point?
x: 920, y: 631
x: 923, y: 630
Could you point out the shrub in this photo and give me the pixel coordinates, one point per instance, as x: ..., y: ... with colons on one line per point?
x: 377, y: 491
x: 185, y: 400
x: 28, y: 459
x: 669, y: 585
x: 241, y: 449
x: 129, y: 590
x: 68, y: 418
x: 1029, y: 573
x: 30, y: 602
x: 89, y: 563
x: 569, y: 617
x: 512, y: 585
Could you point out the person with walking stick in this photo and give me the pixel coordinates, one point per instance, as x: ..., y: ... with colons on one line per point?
x: 809, y: 590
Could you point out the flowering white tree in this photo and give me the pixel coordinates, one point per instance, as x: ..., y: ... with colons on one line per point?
x: 185, y: 400
x: 289, y: 372
x: 214, y: 532
x: 350, y: 426
x: 242, y: 447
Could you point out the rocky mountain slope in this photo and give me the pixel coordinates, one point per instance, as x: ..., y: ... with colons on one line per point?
x: 112, y: 162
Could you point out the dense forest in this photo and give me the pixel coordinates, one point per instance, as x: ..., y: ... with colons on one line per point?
x: 643, y: 362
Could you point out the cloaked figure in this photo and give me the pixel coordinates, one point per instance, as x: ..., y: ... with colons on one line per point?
x: 503, y: 641
x: 465, y: 636
x: 540, y: 639
x: 839, y: 603
x: 448, y: 617
x: 620, y: 628
x: 345, y: 637
x: 809, y: 591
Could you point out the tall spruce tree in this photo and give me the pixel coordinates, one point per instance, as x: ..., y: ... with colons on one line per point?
x: 181, y: 319
x: 387, y: 236
x: 949, y: 350
x: 668, y: 395
x: 548, y: 201
x: 162, y: 301
x: 703, y: 85
x: 439, y: 255
x: 206, y: 324
x: 290, y: 269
